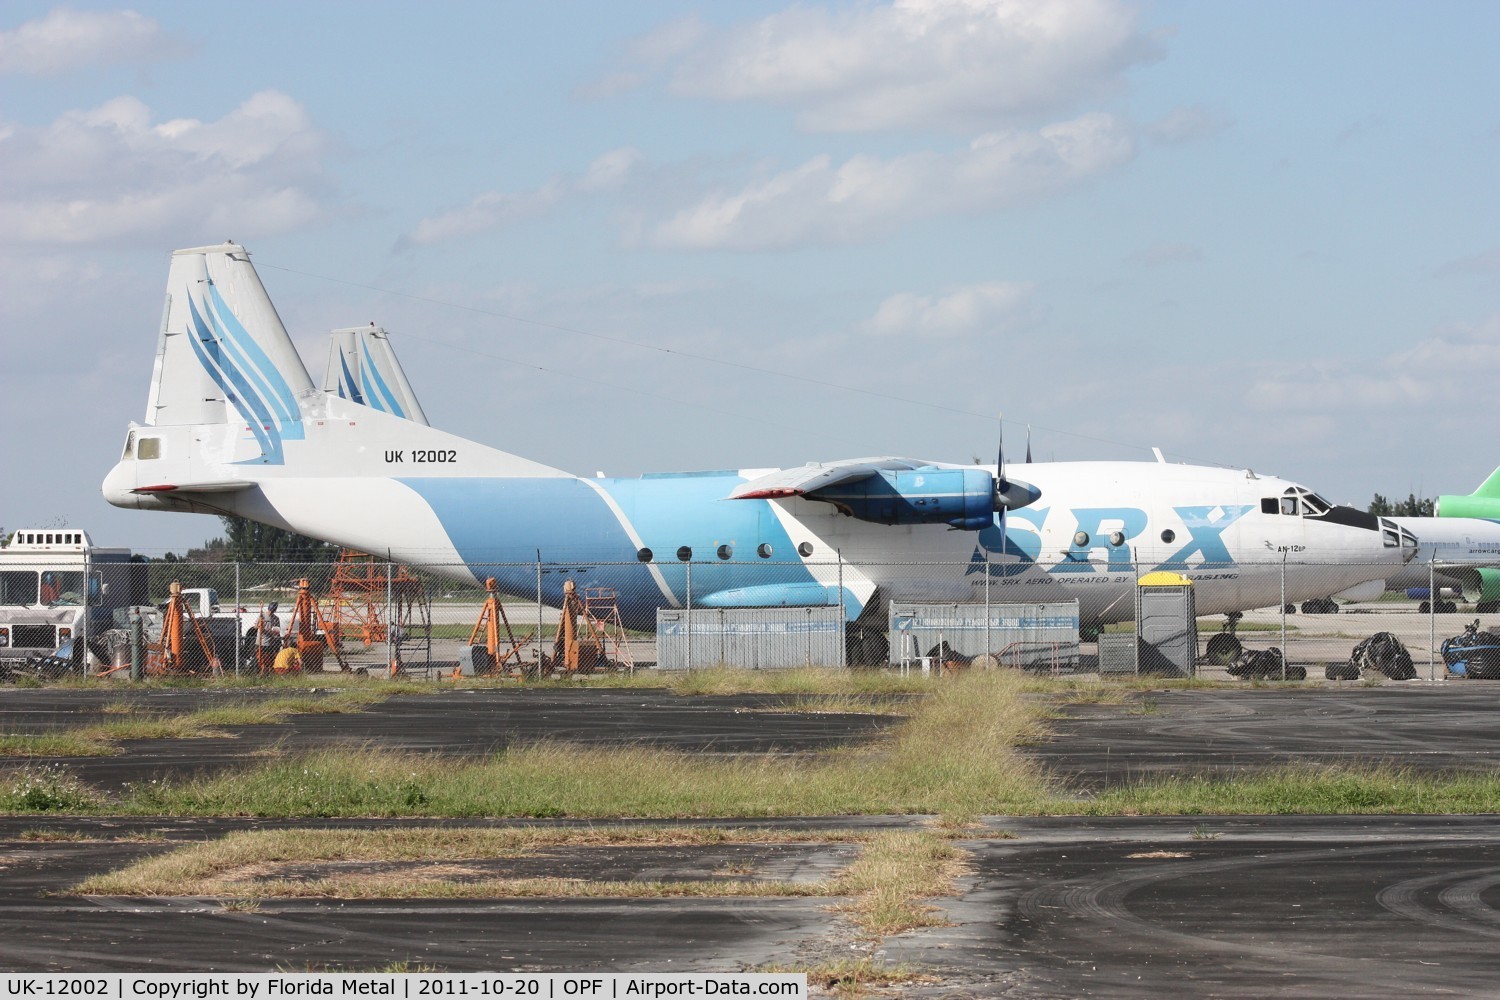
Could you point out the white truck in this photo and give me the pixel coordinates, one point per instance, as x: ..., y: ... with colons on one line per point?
x: 56, y: 586
x: 204, y: 602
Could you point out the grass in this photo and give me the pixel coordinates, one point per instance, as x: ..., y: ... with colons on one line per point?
x: 955, y: 754
x: 884, y: 891
x: 1306, y: 790
x: 103, y: 739
x: 55, y: 744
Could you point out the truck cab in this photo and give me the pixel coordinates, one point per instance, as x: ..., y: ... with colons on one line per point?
x: 57, y: 586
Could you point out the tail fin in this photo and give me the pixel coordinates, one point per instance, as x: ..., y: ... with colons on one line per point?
x: 1483, y: 502
x: 362, y: 367
x: 223, y: 356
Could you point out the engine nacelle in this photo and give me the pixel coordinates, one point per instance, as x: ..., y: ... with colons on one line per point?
x: 959, y: 498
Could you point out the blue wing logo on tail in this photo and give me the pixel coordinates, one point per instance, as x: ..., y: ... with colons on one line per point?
x: 248, y: 378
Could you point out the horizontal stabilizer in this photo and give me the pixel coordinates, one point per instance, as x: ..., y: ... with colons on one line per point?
x: 222, y: 486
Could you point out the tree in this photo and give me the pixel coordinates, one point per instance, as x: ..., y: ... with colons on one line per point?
x: 250, y: 541
x: 1412, y: 506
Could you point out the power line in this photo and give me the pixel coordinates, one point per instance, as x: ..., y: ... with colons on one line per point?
x: 626, y: 342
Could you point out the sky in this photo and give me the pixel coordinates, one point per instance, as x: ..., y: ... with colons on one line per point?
x: 667, y: 236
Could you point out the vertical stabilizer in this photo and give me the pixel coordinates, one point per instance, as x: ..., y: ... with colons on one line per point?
x: 1483, y: 502
x: 362, y: 367
x: 223, y: 356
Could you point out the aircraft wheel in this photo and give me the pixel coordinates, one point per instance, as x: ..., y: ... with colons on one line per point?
x: 1487, y: 607
x: 1222, y: 649
x: 1447, y: 607
x: 1345, y: 671
x: 1425, y: 608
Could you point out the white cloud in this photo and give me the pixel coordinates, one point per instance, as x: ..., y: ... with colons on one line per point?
x: 497, y: 209
x: 913, y: 63
x: 610, y: 170
x: 1486, y: 264
x: 67, y: 40
x: 981, y: 308
x: 108, y: 173
x: 487, y: 211
x: 1188, y: 124
x: 819, y: 202
x: 1457, y: 363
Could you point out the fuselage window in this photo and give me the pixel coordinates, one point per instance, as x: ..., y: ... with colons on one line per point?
x: 1289, y: 505
x: 1117, y: 538
x: 1168, y: 535
x: 148, y: 448
x: 644, y: 555
x: 725, y: 551
x: 1268, y: 505
x: 684, y: 554
x: 763, y: 550
x: 1080, y: 539
x: 805, y: 549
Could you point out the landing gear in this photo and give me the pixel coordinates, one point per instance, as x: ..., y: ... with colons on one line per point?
x: 1224, y: 647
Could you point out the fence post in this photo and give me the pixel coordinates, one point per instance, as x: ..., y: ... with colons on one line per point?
x: 82, y: 635
x: 843, y: 614
x: 238, y: 622
x: 539, y: 646
x: 1432, y: 616
x: 137, y: 644
x: 1135, y: 621
x: 390, y: 620
x: 987, y: 650
x: 1283, y: 616
x: 688, y: 617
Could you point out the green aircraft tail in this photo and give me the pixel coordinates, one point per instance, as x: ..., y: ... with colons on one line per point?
x: 1483, y: 502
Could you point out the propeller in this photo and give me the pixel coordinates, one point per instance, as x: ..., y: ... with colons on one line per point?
x: 1000, y: 482
x: 1012, y: 493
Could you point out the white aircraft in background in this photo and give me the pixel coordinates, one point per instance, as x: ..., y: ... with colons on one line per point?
x: 1459, y: 548
x: 234, y: 425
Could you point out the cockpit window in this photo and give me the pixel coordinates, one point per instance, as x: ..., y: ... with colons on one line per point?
x: 1296, y: 501
x: 1314, y: 505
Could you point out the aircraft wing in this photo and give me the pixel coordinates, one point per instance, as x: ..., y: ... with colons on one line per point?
x: 818, y: 475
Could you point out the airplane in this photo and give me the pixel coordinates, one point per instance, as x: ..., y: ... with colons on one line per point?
x: 1457, y: 552
x: 234, y: 425
x: 1458, y: 547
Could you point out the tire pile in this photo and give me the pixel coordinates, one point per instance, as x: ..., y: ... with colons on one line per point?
x: 1265, y: 664
x: 1381, y: 653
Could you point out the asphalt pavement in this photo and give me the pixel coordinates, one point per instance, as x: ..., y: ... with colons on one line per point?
x: 1060, y: 907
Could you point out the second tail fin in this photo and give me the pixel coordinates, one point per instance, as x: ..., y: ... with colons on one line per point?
x: 362, y: 367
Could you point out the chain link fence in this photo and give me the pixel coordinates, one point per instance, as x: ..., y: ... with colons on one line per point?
x: 525, y: 619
